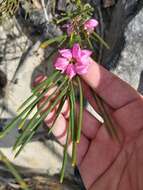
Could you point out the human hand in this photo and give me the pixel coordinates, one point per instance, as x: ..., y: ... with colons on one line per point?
x: 104, y: 163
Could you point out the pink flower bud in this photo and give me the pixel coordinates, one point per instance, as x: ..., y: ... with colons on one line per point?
x: 90, y: 25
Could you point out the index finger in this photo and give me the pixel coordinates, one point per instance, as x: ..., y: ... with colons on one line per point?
x: 114, y: 91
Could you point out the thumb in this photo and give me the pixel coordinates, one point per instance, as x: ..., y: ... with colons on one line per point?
x: 114, y: 91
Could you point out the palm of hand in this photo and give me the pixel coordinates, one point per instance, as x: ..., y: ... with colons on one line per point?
x: 106, y: 164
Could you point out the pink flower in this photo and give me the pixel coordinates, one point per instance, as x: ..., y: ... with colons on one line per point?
x: 90, y: 25
x: 73, y: 61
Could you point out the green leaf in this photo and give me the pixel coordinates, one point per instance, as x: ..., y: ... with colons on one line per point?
x: 71, y: 41
x: 90, y: 43
x: 57, y: 113
x: 14, y: 172
x: 34, y: 103
x: 62, y: 19
x: 28, y: 109
x: 42, y: 85
x: 46, y: 81
x: 26, y: 140
x: 48, y: 99
x: 65, y: 156
x: 72, y: 123
x: 72, y: 111
x: 100, y: 40
x: 46, y: 43
x: 34, y: 121
x: 23, y: 120
x: 9, y: 127
x: 108, y: 120
x: 61, y: 95
x: 80, y: 118
x: 74, y: 154
x: 38, y: 121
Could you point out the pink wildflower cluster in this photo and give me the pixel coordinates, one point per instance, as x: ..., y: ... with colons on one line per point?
x: 73, y: 61
x: 89, y: 26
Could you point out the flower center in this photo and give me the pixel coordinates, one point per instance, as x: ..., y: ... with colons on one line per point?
x: 72, y: 61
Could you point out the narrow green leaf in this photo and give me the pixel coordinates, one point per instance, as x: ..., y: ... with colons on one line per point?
x: 74, y: 154
x: 42, y: 84
x: 61, y: 43
x: 90, y: 44
x: 23, y: 139
x: 26, y: 140
x: 48, y: 99
x: 14, y: 172
x: 72, y: 123
x: 101, y: 40
x: 26, y: 102
x: 80, y: 109
x: 109, y: 125
x: 72, y: 111
x: 62, y: 19
x: 23, y: 120
x: 71, y: 39
x: 34, y: 122
x: 37, y: 122
x: 46, y: 43
x: 46, y: 81
x: 57, y: 113
x: 88, y: 41
x: 60, y: 96
x: 64, y: 156
x: 14, y: 122
x: 31, y: 107
x: 9, y: 127
x: 34, y: 103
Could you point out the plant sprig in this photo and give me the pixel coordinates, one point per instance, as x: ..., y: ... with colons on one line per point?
x: 67, y: 81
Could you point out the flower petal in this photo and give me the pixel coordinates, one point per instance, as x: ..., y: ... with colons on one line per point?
x: 76, y: 51
x: 81, y: 69
x: 70, y: 71
x: 61, y: 64
x: 66, y: 53
x: 90, y: 24
x: 84, y: 60
x: 86, y: 52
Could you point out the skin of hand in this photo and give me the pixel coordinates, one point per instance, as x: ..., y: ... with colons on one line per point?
x: 103, y: 162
